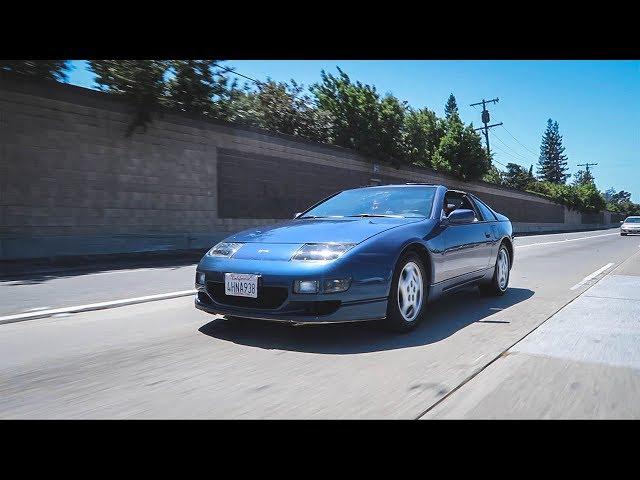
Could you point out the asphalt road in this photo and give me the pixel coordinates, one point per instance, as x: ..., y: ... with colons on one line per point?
x: 582, y: 363
x: 164, y: 359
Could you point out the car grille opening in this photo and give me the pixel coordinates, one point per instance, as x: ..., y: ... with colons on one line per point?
x: 269, y: 298
x: 324, y: 307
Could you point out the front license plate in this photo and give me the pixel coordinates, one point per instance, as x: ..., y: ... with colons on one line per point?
x: 241, y: 285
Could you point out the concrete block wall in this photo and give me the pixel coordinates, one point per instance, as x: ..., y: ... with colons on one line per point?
x: 72, y: 183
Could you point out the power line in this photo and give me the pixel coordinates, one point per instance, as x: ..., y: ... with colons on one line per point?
x: 485, y: 119
x: 525, y: 147
x: 499, y: 163
x: 503, y: 151
x: 509, y: 154
x: 535, y: 155
x: 230, y: 70
x: 510, y: 150
x: 518, y: 161
x: 513, y: 151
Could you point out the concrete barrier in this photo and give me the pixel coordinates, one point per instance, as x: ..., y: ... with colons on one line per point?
x: 533, y: 228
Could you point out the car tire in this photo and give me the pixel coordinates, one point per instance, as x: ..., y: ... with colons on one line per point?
x: 408, y: 294
x: 623, y: 234
x: 499, y: 284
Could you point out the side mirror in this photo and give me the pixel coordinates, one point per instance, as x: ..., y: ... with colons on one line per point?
x: 621, y: 222
x: 461, y: 216
x: 296, y: 215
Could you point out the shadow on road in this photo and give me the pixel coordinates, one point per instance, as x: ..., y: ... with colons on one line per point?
x: 445, y: 317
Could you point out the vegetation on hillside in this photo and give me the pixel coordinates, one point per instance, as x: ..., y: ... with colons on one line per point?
x: 340, y: 111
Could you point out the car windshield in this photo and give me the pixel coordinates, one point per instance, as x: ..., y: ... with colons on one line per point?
x: 412, y: 202
x: 632, y: 220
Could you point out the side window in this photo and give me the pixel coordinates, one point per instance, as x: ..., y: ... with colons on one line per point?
x: 484, y: 210
x: 452, y: 201
x: 468, y: 204
x: 455, y: 200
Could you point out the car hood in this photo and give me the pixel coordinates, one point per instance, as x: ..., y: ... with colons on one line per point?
x: 631, y: 225
x: 320, y: 230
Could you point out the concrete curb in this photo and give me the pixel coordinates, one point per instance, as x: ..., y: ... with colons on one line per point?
x: 21, y: 317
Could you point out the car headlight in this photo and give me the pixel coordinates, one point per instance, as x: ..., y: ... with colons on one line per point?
x: 321, y: 251
x: 224, y: 249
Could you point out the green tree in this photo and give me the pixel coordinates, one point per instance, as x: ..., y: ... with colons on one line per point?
x: 620, y: 202
x: 552, y: 164
x: 422, y: 132
x: 518, y: 177
x: 193, y: 86
x: 590, y: 199
x: 560, y: 193
x: 362, y: 120
x: 620, y: 197
x: 584, y: 198
x: 460, y: 151
x: 582, y: 177
x: 141, y: 82
x: 608, y: 195
x: 494, y: 175
x: 46, y: 69
x: 285, y: 108
x: 451, y: 106
x: 227, y: 99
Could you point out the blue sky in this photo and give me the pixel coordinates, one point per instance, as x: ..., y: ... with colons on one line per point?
x: 596, y: 103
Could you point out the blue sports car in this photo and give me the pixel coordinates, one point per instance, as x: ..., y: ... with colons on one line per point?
x: 371, y: 253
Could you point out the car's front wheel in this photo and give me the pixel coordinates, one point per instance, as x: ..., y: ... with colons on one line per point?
x: 408, y: 294
x: 500, y: 280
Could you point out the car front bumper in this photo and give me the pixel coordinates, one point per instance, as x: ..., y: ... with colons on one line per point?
x: 299, y: 313
x: 365, y: 299
x: 630, y: 230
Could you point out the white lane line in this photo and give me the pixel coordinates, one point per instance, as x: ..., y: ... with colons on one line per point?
x: 592, y: 276
x: 93, y: 306
x: 136, y: 270
x: 565, y: 241
x: 128, y: 270
x: 36, y: 309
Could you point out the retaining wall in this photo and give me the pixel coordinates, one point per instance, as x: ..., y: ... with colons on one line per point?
x: 72, y: 183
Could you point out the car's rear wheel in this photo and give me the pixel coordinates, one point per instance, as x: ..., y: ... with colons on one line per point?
x: 500, y: 280
x: 408, y: 294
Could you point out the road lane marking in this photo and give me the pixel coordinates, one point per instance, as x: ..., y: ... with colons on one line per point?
x: 564, y: 241
x: 128, y: 270
x: 592, y: 276
x: 20, y: 317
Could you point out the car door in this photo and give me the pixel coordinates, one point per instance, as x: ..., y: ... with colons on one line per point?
x: 466, y: 250
x: 488, y: 219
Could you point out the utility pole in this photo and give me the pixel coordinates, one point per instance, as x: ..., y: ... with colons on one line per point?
x: 485, y: 119
x: 586, y: 165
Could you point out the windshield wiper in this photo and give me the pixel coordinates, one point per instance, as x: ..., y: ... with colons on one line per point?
x: 375, y: 215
